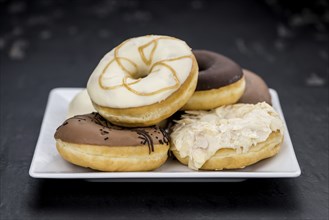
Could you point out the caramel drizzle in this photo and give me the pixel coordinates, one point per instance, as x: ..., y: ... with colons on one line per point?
x: 148, y: 62
x: 141, y: 52
x: 100, y: 79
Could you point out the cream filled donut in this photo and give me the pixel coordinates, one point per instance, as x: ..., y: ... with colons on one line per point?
x: 229, y: 137
x: 143, y: 80
x: 91, y: 141
x: 220, y: 82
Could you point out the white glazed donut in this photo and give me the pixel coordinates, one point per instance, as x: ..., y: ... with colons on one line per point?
x: 80, y: 104
x: 143, y: 80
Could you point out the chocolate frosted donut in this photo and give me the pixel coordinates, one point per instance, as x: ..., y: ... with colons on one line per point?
x: 91, y: 141
x: 215, y: 70
x: 256, y: 89
x: 220, y: 81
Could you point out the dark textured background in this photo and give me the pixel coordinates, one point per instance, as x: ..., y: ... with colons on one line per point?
x: 50, y: 44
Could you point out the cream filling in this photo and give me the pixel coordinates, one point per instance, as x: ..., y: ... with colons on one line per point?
x: 135, y: 60
x: 200, y: 134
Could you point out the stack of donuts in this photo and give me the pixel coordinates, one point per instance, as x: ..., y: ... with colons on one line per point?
x: 152, y: 95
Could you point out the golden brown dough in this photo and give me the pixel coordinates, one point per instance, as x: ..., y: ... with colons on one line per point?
x: 121, y: 158
x: 209, y: 99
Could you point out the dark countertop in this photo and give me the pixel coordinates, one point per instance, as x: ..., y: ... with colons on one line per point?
x: 50, y: 44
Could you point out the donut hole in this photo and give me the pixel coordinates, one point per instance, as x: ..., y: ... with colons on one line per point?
x: 139, y: 75
x: 202, y: 67
x: 134, y: 71
x: 205, y: 64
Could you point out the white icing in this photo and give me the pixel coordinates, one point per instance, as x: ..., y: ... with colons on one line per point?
x: 115, y: 95
x: 200, y: 134
x: 80, y: 104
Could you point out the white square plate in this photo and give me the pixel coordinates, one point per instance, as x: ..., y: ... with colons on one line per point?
x: 47, y: 163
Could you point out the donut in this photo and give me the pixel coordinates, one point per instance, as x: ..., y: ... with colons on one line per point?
x: 91, y: 141
x: 143, y: 80
x: 220, y: 82
x: 228, y: 137
x: 256, y: 89
x: 80, y: 104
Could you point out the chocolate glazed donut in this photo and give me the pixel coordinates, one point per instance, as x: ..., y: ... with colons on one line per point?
x: 256, y: 89
x: 220, y: 82
x: 91, y: 141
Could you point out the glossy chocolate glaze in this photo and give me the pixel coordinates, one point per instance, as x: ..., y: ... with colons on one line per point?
x: 93, y: 129
x: 215, y: 70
